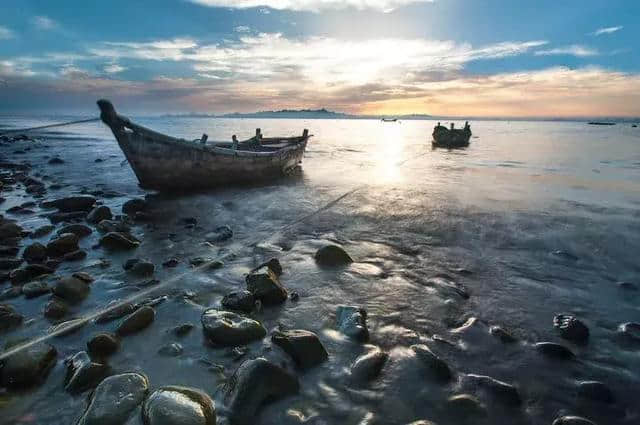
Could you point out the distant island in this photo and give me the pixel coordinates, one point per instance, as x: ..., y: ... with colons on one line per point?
x: 322, y: 113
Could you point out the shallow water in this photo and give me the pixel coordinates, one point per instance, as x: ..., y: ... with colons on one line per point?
x: 488, y: 217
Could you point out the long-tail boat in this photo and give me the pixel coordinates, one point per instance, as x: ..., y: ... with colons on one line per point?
x: 451, y: 137
x: 164, y: 163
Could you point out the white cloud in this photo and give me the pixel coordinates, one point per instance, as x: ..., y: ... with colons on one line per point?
x: 44, y: 23
x: 174, y: 49
x: 312, y: 5
x: 6, y: 33
x: 9, y: 68
x: 607, y: 30
x: 113, y: 68
x: 574, y: 50
x: 242, y: 28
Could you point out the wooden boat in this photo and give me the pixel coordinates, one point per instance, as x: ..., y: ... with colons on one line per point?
x: 451, y: 137
x: 601, y: 123
x: 389, y: 119
x: 164, y: 162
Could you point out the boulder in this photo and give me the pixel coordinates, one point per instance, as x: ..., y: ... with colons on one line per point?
x: 118, y: 241
x: 114, y: 399
x: 352, y: 321
x: 266, y: 287
x: 80, y: 230
x: 369, y: 365
x: 254, y: 383
x: 435, y: 366
x: 71, y: 289
x: 98, y: 214
x: 35, y: 253
x: 332, y: 256
x: 226, y: 328
x: 304, y: 347
x: 28, y: 366
x: 72, y: 203
x: 63, y: 244
x: 571, y: 328
x: 136, y: 321
x: 240, y: 301
x: 553, y: 350
x: 9, y: 318
x: 133, y: 206
x: 83, y: 373
x: 502, y: 391
x: 595, y: 391
x: 103, y: 345
x: 572, y: 420
x: 55, y: 309
x: 35, y: 289
x: 174, y: 405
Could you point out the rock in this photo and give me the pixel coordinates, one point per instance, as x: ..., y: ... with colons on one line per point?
x: 220, y: 234
x: 98, y: 214
x: 437, y: 367
x: 172, y: 349
x: 266, y: 288
x: 465, y: 406
x: 273, y: 265
x: 115, y: 310
x: 572, y: 420
x: 136, y: 321
x: 35, y: 253
x: 174, y: 405
x: 507, y: 393
x: 630, y: 331
x: 565, y: 255
x: 60, y: 217
x: 629, y: 286
x: 118, y: 241
x: 80, y: 230
x: 10, y: 293
x: 72, y: 203
x: 56, y: 161
x: 103, y: 345
x: 368, y: 366
x: 139, y: 267
x: 170, y: 263
x: 67, y: 327
x: 595, y: 391
x: 71, y: 289
x: 28, y: 273
x: 240, y: 301
x: 502, y: 334
x: 35, y: 289
x: 83, y: 373
x: 28, y: 366
x: 304, y: 347
x: 571, y: 328
x: 75, y: 256
x: 114, y: 399
x: 10, y: 230
x: 557, y: 351
x: 63, y: 244
x: 9, y: 318
x: 182, y: 330
x: 255, y: 382
x: 42, y: 231
x: 85, y: 277
x: 133, y: 206
x: 332, y: 256
x: 9, y: 251
x: 55, y: 309
x: 422, y: 422
x: 352, y: 321
x: 10, y: 263
x: 230, y: 329
x: 107, y: 226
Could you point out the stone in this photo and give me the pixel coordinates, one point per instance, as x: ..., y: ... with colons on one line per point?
x: 369, y: 365
x: 595, y: 391
x: 80, y: 230
x: 118, y: 241
x: 83, y: 276
x: 74, y: 256
x: 182, y: 330
x: 63, y: 244
x: 503, y: 391
x: 630, y: 331
x: 571, y: 328
x: 71, y: 289
x: 114, y: 399
x: 29, y: 273
x: 139, y: 267
x: 83, y: 373
x: 240, y: 301
x: 422, y: 422
x: 352, y: 321
x: 629, y: 286
x: 173, y: 405
x: 9, y: 251
x: 220, y: 234
x: 266, y: 287
x: 572, y: 420
x: 553, y: 350
x: 136, y: 321
x: 10, y: 293
x: 35, y: 289
x: 72, y: 203
x: 56, y: 309
x: 35, y: 253
x: 171, y: 262
x: 103, y: 345
x: 9, y: 318
x: 10, y: 263
x: 304, y: 347
x: 67, y: 327
x: 98, y: 214
x: 436, y: 367
x: 60, y: 217
x: 332, y: 256
x: 29, y: 366
x: 107, y: 226
x: 133, y: 206
x: 502, y: 334
x: 273, y: 265
x: 466, y: 406
x: 10, y: 230
x: 56, y: 161
x: 254, y: 383
x: 226, y: 328
x: 42, y: 231
x: 173, y: 349
x: 115, y: 310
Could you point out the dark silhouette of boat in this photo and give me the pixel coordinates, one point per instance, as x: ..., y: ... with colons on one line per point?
x: 389, y: 119
x: 164, y: 162
x: 600, y: 123
x: 451, y: 137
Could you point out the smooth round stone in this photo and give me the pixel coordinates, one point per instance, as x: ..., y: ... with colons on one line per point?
x: 596, y: 391
x: 9, y: 317
x: 178, y: 406
x: 630, y: 330
x: 80, y: 230
x: 71, y: 289
x: 230, y: 329
x: 63, y: 244
x: 103, y: 345
x: 466, y: 406
x: 56, y: 308
x: 28, y: 366
x: 553, y: 350
x: 369, y: 365
x: 118, y: 241
x: 571, y: 328
x: 303, y: 346
x: 434, y: 364
x: 35, y: 253
x: 572, y: 420
x: 332, y: 256
x: 136, y: 321
x: 35, y: 289
x: 240, y: 301
x: 503, y: 391
x: 83, y: 373
x: 98, y: 214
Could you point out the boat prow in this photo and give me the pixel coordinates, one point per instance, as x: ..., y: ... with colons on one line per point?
x: 451, y: 137
x: 163, y: 162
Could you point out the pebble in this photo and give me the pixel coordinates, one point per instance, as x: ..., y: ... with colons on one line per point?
x: 572, y: 420
x: 98, y: 214
x: 631, y: 331
x: 72, y: 203
x: 369, y: 365
x: 502, y: 334
x: 29, y: 273
x: 172, y: 405
x: 240, y: 301
x: 266, y: 287
x: 80, y: 230
x: 173, y: 349
x: 571, y: 328
x: 595, y: 391
x: 28, y: 366
x: 63, y: 244
x: 303, y: 346
x: 136, y: 321
x: 273, y: 265
x: 352, y: 321
x: 332, y: 256
x: 133, y: 206
x: 226, y: 328
x: 116, y: 309
x: 172, y: 262
x: 466, y: 406
x: 103, y: 345
x: 42, y: 231
x: 71, y: 289
x: 437, y: 367
x: 118, y: 241
x: 503, y: 391
x: 182, y: 330
x: 35, y: 253
x: 557, y: 351
x: 35, y: 289
x: 9, y: 318
x: 55, y: 309
x: 139, y: 267
x: 83, y: 373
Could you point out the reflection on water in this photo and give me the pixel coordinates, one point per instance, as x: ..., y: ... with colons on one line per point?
x: 439, y: 236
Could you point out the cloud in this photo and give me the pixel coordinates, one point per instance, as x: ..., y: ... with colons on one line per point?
x: 44, y: 23
x: 6, y: 33
x: 113, y: 68
x: 607, y: 30
x: 242, y: 28
x: 573, y: 50
x: 311, y: 5
x: 174, y: 49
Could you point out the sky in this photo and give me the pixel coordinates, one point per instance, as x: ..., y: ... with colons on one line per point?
x: 490, y: 58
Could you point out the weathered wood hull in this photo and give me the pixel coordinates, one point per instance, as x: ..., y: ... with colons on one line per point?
x: 443, y: 137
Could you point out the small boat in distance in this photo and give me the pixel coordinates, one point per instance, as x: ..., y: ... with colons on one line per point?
x: 167, y: 163
x: 389, y: 119
x: 451, y: 137
x: 600, y: 123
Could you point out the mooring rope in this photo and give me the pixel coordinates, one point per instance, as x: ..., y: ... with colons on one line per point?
x: 62, y: 124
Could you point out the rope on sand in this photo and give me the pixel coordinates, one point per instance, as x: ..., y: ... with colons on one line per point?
x: 62, y: 124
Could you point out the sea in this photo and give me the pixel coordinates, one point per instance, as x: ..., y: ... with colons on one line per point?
x: 533, y: 219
